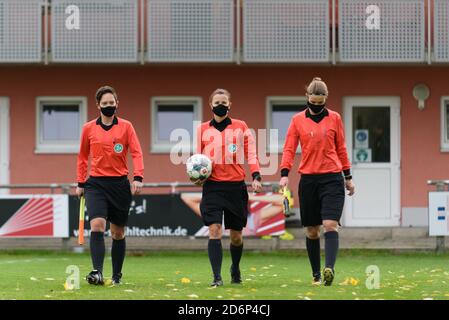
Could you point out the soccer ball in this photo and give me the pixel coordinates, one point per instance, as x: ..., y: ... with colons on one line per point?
x: 198, y: 167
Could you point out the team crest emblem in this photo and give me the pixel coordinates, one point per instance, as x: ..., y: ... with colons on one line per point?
x: 232, y: 148
x: 118, y: 148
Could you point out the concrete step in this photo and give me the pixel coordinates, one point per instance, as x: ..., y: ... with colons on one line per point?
x: 374, y: 233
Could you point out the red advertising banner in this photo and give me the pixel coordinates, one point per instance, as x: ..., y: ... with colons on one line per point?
x: 34, y: 216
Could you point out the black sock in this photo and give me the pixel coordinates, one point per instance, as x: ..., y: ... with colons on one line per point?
x: 118, y: 255
x: 313, y: 250
x: 215, y: 256
x: 236, y: 254
x: 331, y: 248
x: 97, y: 249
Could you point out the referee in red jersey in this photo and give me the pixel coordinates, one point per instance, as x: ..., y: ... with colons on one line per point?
x: 228, y: 142
x: 325, y: 173
x: 108, y: 192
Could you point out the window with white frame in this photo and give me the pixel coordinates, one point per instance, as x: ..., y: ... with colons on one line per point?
x: 280, y: 111
x: 445, y: 124
x: 59, y: 123
x: 174, y: 121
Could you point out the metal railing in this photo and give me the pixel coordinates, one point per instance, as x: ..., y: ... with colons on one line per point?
x: 168, y: 31
x: 67, y: 187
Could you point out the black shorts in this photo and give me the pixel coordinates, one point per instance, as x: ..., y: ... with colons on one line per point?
x: 225, y: 198
x: 108, y: 198
x: 321, y: 197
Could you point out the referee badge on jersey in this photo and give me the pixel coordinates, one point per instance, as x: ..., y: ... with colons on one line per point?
x: 118, y: 148
x: 232, y: 148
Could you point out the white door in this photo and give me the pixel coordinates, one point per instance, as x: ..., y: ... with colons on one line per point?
x: 372, y: 128
x: 4, y: 143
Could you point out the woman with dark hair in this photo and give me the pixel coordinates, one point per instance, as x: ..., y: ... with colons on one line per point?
x: 108, y: 192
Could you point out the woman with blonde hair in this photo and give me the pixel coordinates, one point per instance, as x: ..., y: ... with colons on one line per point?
x: 325, y: 173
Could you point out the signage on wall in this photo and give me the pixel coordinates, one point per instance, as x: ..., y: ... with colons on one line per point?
x: 361, y: 139
x: 363, y: 155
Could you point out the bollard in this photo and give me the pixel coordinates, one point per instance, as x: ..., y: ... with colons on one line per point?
x: 65, y: 241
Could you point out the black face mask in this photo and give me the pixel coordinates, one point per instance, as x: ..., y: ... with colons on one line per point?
x: 108, y: 111
x: 220, y: 110
x: 316, y: 108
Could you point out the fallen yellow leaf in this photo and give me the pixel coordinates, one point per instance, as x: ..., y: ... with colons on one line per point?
x: 68, y: 286
x: 354, y: 282
x: 185, y: 280
x: 108, y: 282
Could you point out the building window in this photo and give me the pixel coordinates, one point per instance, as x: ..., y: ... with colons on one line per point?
x: 445, y: 124
x: 280, y: 111
x: 171, y: 119
x: 59, y: 124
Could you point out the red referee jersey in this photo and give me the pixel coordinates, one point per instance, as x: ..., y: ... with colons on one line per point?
x: 323, y: 147
x: 108, y: 148
x: 228, y: 149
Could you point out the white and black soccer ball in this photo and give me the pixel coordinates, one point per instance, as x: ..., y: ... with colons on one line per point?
x: 199, y: 166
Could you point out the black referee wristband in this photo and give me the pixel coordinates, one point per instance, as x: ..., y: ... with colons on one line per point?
x: 138, y: 178
x: 256, y: 176
x: 81, y: 184
x: 347, y: 172
x: 348, y: 177
x: 284, y: 172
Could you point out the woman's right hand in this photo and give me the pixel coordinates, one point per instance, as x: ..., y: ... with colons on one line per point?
x: 283, y: 182
x: 79, y: 192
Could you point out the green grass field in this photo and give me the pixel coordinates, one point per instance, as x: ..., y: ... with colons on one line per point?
x: 186, y: 275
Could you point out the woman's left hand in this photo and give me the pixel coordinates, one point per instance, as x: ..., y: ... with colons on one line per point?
x: 257, y: 186
x: 350, y: 187
x: 136, y: 187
